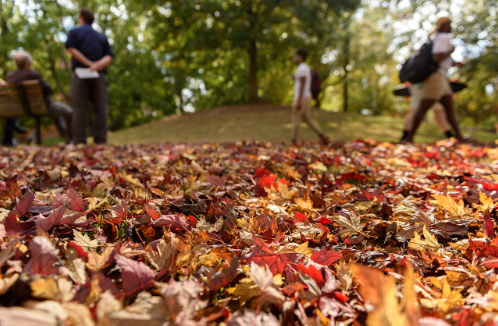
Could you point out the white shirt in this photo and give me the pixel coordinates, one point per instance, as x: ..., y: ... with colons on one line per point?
x: 302, y: 71
x: 442, y: 44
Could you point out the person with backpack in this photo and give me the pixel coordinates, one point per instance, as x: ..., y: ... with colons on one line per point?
x: 316, y: 87
x: 435, y: 86
x: 302, y: 98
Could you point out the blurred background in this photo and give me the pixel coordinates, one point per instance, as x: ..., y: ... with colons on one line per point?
x: 182, y: 56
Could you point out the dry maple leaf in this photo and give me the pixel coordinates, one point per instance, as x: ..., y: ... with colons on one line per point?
x: 147, y: 310
x: 84, y: 241
x: 381, y: 292
x: 182, y: 301
x: 305, y: 204
x: 344, y: 276
x: 487, y: 202
x: 430, y: 242
x: 263, y: 278
x: 456, y: 210
x: 351, y: 225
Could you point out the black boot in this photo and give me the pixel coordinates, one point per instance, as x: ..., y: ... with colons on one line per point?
x: 405, y: 134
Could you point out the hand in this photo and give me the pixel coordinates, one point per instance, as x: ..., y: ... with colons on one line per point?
x: 96, y: 66
x: 298, y: 104
x: 459, y: 64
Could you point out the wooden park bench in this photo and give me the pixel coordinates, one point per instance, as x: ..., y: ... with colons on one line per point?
x: 24, y: 99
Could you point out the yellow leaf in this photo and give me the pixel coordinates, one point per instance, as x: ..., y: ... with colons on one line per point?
x: 430, y: 242
x: 46, y: 288
x: 305, y: 204
x: 456, y: 210
x: 487, y: 202
x: 96, y: 261
x: 381, y: 292
x: 318, y: 166
x: 304, y: 249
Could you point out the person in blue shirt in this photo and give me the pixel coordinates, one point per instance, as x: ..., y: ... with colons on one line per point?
x: 89, y: 49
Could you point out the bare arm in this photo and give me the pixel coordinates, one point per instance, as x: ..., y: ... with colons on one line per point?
x: 101, y: 64
x: 302, y: 80
x: 80, y: 57
x: 437, y: 57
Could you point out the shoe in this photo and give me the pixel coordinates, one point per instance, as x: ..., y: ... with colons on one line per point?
x: 324, y: 140
x: 9, y: 143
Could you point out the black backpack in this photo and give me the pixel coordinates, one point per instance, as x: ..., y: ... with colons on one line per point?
x: 419, y: 66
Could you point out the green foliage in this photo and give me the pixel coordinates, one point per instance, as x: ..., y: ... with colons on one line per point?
x: 137, y: 88
x: 173, y: 55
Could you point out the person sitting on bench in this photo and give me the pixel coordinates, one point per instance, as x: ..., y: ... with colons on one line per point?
x: 57, y: 109
x: 9, y: 128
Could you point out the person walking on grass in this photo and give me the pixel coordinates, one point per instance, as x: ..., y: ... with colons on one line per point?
x: 89, y: 49
x: 437, y: 87
x: 416, y: 93
x: 302, y: 98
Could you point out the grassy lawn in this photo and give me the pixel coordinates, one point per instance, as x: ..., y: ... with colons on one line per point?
x: 271, y: 122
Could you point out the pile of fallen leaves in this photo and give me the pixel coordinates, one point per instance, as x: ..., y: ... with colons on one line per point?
x: 362, y: 233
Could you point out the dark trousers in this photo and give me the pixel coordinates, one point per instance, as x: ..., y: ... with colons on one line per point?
x: 84, y: 91
x: 8, y: 134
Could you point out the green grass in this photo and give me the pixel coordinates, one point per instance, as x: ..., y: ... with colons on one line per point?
x: 271, y: 122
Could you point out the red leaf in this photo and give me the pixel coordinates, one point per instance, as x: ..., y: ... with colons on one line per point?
x: 192, y: 220
x: 313, y: 272
x: 76, y: 204
x: 175, y: 221
x: 43, y: 256
x: 276, y: 262
x: 326, y: 258
x: 298, y: 217
x: 23, y: 205
x: 488, y: 226
x: 137, y: 276
x: 60, y: 200
x: 265, y: 182
x: 47, y: 222
x: 152, y: 212
x: 261, y: 172
x: 261, y: 246
x: 341, y: 297
x: 79, y: 251
x: 224, y: 277
x: 323, y: 220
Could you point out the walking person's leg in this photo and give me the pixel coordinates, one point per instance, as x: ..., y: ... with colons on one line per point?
x: 431, y: 90
x: 408, y: 123
x: 305, y: 108
x: 441, y: 119
x: 79, y: 102
x: 447, y: 102
x: 425, y: 105
x: 296, y: 121
x: 100, y: 102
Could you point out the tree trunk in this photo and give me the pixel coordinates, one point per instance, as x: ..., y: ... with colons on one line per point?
x: 54, y: 71
x: 253, y: 71
x: 347, y: 41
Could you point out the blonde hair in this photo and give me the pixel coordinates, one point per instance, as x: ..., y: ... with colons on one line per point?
x: 22, y: 59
